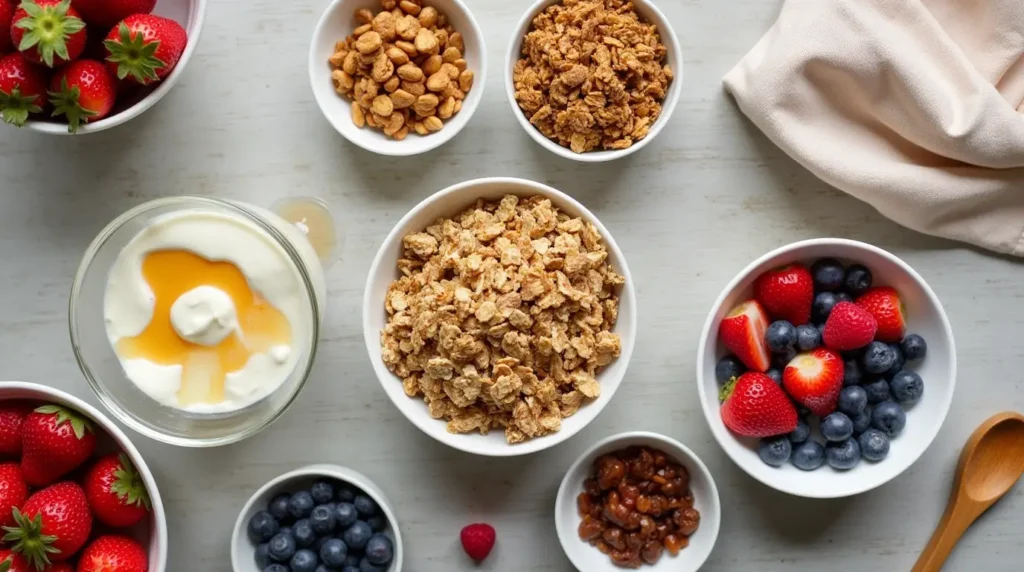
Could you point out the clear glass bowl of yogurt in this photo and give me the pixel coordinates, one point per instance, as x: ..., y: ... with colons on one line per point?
x: 195, y: 320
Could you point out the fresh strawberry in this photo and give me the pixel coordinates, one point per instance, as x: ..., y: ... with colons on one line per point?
x: 52, y: 526
x: 849, y: 327
x: 11, y: 561
x: 82, y: 91
x: 145, y: 48
x: 814, y: 379
x: 22, y: 89
x: 56, y: 440
x: 742, y: 331
x: 113, y: 553
x: 884, y: 304
x: 755, y: 406
x: 116, y: 493
x: 12, y: 418
x: 786, y: 293
x: 105, y: 13
x: 13, y: 492
x: 6, y: 14
x: 48, y: 32
x: 477, y: 540
x: 60, y: 567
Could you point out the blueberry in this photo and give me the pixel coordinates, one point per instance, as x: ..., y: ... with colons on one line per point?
x: 320, y: 541
x: 727, y: 368
x: 862, y: 421
x: 877, y: 390
x: 345, y: 514
x: 781, y: 336
x: 279, y: 508
x: 907, y: 386
x: 775, y: 451
x: 380, y: 550
x: 352, y: 560
x: 843, y: 297
x: 914, y: 347
x: 377, y: 523
x: 281, y: 548
x: 801, y: 433
x: 781, y: 360
x: 874, y: 445
x: 807, y: 337
x: 322, y: 492
x: 365, y: 506
x: 304, y: 561
x: 822, y: 306
x: 322, y: 519
x: 262, y: 527
x: 828, y: 274
x: 878, y: 358
x: 836, y: 427
x: 333, y: 553
x: 357, y: 535
x: 889, y: 418
x: 858, y: 279
x: 351, y: 568
x: 897, y: 365
x: 300, y: 505
x: 285, y: 530
x: 851, y: 372
x: 843, y: 455
x: 776, y: 375
x: 345, y: 494
x: 262, y: 556
x: 852, y: 400
x: 366, y: 566
x: 276, y: 568
x: 808, y: 455
x: 303, y: 533
x: 321, y: 568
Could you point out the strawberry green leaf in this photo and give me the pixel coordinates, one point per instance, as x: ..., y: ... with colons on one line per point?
x: 29, y: 541
x: 6, y: 564
x: 79, y: 424
x: 726, y: 390
x: 133, y: 55
x: 47, y: 29
x: 15, y: 108
x: 128, y: 485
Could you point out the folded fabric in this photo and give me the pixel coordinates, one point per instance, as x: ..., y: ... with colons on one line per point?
x: 914, y: 106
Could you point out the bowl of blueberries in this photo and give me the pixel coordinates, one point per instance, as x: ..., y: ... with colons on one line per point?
x: 317, y: 518
x: 826, y: 368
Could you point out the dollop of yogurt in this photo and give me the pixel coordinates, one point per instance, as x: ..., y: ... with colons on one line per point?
x: 204, y: 315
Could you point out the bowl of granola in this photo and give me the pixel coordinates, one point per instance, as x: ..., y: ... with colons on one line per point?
x: 499, y: 316
x: 593, y: 80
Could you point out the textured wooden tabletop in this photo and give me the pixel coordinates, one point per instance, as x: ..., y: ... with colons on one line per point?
x: 690, y: 210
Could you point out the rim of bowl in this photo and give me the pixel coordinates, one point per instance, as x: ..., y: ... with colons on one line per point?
x: 657, y: 438
x: 422, y: 422
x: 338, y: 472
x: 667, y: 108
x: 159, y: 534
x: 197, y: 16
x: 129, y: 418
x: 709, y: 325
x: 387, y: 147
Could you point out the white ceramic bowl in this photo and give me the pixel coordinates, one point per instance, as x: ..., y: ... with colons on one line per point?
x: 449, y: 202
x: 649, y: 12
x: 924, y: 316
x: 151, y: 532
x: 188, y: 13
x: 243, y: 550
x: 337, y: 23
x: 705, y: 499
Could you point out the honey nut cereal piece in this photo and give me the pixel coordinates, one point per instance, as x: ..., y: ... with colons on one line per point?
x: 410, y: 7
x: 438, y: 81
x: 425, y: 42
x: 369, y: 42
x: 410, y: 72
x: 432, y: 123
x: 402, y: 99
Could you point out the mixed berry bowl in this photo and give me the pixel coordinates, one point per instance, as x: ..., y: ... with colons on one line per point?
x: 826, y: 368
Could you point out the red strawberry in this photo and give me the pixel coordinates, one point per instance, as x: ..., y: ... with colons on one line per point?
x: 83, y: 91
x: 113, y: 553
x: 477, y: 540
x: 13, y: 492
x: 52, y: 526
x: 754, y: 406
x: 6, y: 13
x: 884, y: 304
x: 814, y: 379
x: 786, y: 293
x: 14, y: 562
x: 48, y: 32
x: 849, y: 327
x: 145, y: 48
x: 116, y: 493
x: 12, y: 418
x: 60, y: 567
x: 105, y: 13
x: 742, y: 331
x: 22, y: 89
x: 56, y: 440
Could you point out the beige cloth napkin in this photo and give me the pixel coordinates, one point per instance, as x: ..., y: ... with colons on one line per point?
x: 914, y: 106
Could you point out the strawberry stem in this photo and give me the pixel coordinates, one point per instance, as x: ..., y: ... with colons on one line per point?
x: 47, y: 28
x: 15, y: 108
x: 128, y: 485
x: 79, y: 424
x: 726, y: 389
x: 133, y: 55
x: 29, y: 540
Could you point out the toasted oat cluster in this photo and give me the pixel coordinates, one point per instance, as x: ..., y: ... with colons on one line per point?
x: 503, y: 317
x: 592, y: 74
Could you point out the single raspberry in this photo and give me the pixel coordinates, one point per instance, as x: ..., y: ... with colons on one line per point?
x: 478, y: 540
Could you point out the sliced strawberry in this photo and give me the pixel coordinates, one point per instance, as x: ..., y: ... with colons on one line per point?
x: 82, y: 91
x: 48, y: 32
x: 742, y: 331
x: 754, y: 406
x: 883, y: 303
x: 786, y: 293
x: 849, y: 327
x: 814, y: 380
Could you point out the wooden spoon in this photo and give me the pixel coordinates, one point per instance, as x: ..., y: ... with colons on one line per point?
x: 991, y: 462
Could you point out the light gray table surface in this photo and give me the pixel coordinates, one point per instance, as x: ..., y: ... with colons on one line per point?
x: 689, y: 211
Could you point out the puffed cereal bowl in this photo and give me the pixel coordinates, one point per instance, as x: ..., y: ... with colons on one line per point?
x: 384, y: 271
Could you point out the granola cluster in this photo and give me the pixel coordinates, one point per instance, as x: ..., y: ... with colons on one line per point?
x: 502, y: 317
x: 592, y: 74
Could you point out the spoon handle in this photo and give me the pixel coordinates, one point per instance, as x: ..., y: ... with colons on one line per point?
x: 959, y: 515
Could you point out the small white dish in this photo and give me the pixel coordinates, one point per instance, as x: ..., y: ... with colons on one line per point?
x: 242, y: 549
x: 188, y: 13
x: 337, y: 23
x: 649, y: 12
x: 383, y: 271
x: 924, y: 316
x: 587, y: 558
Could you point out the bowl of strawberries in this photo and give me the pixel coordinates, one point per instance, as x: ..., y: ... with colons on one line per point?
x: 81, y: 66
x: 75, y: 494
x: 826, y: 368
